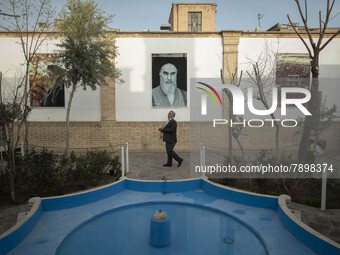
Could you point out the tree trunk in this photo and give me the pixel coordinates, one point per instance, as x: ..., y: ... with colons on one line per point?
x: 277, y: 135
x: 241, y: 148
x: 68, y: 131
x: 26, y: 97
x: 11, y: 155
x: 11, y: 175
x: 26, y: 135
x: 311, y: 122
x: 230, y: 129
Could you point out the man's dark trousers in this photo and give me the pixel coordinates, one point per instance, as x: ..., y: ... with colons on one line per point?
x: 171, y: 154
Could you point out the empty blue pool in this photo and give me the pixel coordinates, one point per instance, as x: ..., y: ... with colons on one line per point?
x: 194, y: 230
x: 205, y: 218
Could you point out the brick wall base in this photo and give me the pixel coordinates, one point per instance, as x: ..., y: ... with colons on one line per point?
x: 145, y: 137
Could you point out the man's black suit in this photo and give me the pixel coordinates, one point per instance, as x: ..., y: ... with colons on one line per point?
x: 170, y: 139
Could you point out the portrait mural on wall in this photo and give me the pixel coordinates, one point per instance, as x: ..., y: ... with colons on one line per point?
x: 293, y: 70
x: 169, y: 80
x: 46, y: 82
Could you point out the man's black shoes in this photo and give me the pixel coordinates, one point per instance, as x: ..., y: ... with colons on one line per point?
x: 167, y: 165
x: 180, y: 163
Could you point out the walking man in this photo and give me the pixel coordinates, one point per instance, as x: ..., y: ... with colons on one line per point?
x: 170, y: 138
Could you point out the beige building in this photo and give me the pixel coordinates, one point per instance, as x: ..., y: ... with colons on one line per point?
x: 123, y: 113
x: 193, y: 17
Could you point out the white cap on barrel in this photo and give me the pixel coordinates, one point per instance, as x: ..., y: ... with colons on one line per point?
x: 160, y: 215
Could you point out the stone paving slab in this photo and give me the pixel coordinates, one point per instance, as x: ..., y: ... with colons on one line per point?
x: 149, y: 166
x: 9, y: 216
x: 325, y: 222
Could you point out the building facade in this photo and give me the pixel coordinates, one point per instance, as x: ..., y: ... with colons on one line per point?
x: 121, y: 113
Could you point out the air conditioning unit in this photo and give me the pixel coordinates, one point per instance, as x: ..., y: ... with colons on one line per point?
x: 165, y: 27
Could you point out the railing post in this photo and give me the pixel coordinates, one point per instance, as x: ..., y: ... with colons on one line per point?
x: 323, y: 190
x: 127, y: 157
x: 203, y: 151
x: 122, y: 162
x: 202, y: 159
x: 200, y: 155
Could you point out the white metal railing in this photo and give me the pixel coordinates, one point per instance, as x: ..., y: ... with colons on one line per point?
x: 323, y: 183
x: 202, y: 159
x: 124, y: 155
x: 3, y: 149
x: 323, y: 190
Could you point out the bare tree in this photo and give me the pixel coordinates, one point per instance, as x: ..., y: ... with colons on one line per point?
x: 314, y: 48
x: 12, y: 117
x: 233, y: 132
x: 28, y: 19
x: 326, y: 116
x: 262, y: 77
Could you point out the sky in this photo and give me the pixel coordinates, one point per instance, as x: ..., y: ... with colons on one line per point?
x: 139, y: 15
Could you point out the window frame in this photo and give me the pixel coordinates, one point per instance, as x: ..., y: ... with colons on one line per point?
x: 199, y: 23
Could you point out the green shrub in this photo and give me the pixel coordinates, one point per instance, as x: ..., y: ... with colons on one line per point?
x: 39, y: 171
x: 313, y: 201
x: 89, y: 168
x: 46, y: 173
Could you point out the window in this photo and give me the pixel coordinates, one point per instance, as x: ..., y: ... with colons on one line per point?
x: 294, y: 80
x: 194, y: 21
x: 293, y: 70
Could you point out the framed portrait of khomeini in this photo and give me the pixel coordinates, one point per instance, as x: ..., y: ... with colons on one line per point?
x: 169, y: 80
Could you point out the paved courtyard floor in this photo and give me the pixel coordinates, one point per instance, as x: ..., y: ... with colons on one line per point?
x: 149, y: 166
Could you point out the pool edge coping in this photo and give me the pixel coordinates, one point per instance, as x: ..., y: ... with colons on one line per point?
x: 283, y: 200
x: 36, y: 202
